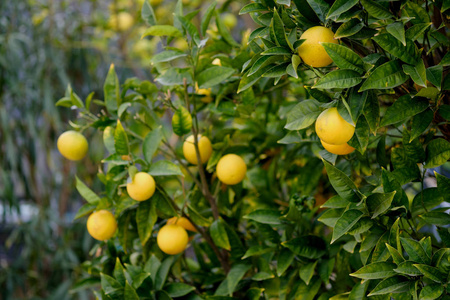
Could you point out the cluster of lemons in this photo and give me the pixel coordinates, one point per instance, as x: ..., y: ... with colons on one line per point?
x: 334, y: 133
x: 172, y: 238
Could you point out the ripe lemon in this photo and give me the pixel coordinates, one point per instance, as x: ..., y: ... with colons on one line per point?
x: 172, y: 239
x: 141, y: 187
x: 338, y: 149
x: 311, y: 51
x: 183, y: 222
x: 101, y: 225
x: 72, y: 145
x: 206, y: 93
x: 231, y: 169
x: 122, y: 21
x: 204, y: 146
x: 332, y: 128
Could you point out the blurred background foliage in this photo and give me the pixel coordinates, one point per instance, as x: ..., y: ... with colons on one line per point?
x: 44, y: 45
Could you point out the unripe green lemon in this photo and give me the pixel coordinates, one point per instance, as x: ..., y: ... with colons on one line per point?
x: 142, y: 187
x: 72, y: 145
x: 311, y: 51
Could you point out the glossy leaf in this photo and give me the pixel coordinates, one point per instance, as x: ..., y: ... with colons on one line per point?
x: 386, y: 76
x: 343, y: 185
x: 344, y: 57
x: 378, y: 203
x: 303, y: 115
x: 219, y: 234
x: 403, y: 108
x: 145, y: 219
x: 165, y: 168
x: 151, y: 143
x: 345, y: 223
x: 376, y: 10
x: 395, y: 284
x: 377, y: 270
x: 213, y: 76
x: 415, y: 251
x: 111, y: 90
x: 181, y: 121
x: 340, y: 6
x: 438, y: 152
x: 339, y: 79
x: 230, y: 283
x: 265, y: 216
x: 349, y: 28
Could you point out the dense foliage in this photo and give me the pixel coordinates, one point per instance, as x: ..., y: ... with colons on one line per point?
x: 383, y: 230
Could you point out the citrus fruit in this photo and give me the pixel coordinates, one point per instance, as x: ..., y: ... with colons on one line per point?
x: 141, y: 187
x: 217, y: 62
x: 229, y: 20
x: 172, y: 239
x: 101, y: 225
x: 311, y: 51
x: 72, y: 145
x: 122, y: 21
x: 183, y: 222
x: 231, y: 169
x: 342, y: 149
x: 204, y: 147
x: 332, y: 128
x: 206, y: 93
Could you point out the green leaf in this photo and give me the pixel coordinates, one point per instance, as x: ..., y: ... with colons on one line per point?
x: 165, y: 168
x: 111, y: 90
x: 278, y: 29
x: 331, y: 216
x: 403, y: 108
x: 346, y: 223
x: 425, y: 200
x: 163, y: 272
x: 147, y: 14
x: 252, y: 7
x: 247, y: 81
x: 167, y: 55
x: 377, y: 270
x: 445, y: 62
x: 219, y: 234
x: 213, y: 76
x: 207, y: 17
x: 265, y: 216
x: 340, y: 6
x: 386, y: 76
x: 130, y: 292
x: 378, y: 203
x: 277, y: 51
x: 431, y: 292
x: 436, y: 218
x: 276, y: 71
x: 397, y: 30
x: 420, y: 123
x: 228, y: 286
x: 417, y: 73
x: 344, y: 57
x: 320, y: 7
x: 284, y: 260
x: 434, y: 75
x: 223, y: 31
x: 409, y: 53
x: 309, y: 246
x: 162, y: 30
x: 121, y: 140
x: 86, y: 192
x: 76, y: 100
x: 416, y: 13
x: 359, y: 291
x: 111, y: 287
x: 432, y: 273
x: 396, y: 256
x: 108, y: 139
x: 371, y: 111
x: 395, y: 284
x: 303, y: 115
x: 415, y: 31
x: 343, y: 185
x: 407, y: 268
x: 85, y: 210
x: 262, y: 61
x: 151, y: 143
x: 415, y: 251
x: 438, y: 152
x: 197, y: 218
x: 175, y: 76
x: 306, y: 272
x: 181, y: 121
x: 339, y: 79
x: 376, y: 10
x: 443, y: 186
x: 349, y: 28
x: 145, y: 219
x: 336, y: 202
x: 257, y: 250
x: 178, y: 289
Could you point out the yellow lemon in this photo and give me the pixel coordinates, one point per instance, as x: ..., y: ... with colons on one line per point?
x: 332, y: 128
x: 101, y: 225
x: 338, y: 149
x: 311, y: 51
x: 231, y: 169
x: 172, y: 239
x: 204, y: 147
x: 122, y: 21
x: 72, y: 145
x: 183, y: 222
x: 141, y: 187
x: 206, y: 93
x: 217, y: 62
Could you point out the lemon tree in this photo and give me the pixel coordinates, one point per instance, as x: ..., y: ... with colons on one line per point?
x: 325, y: 171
